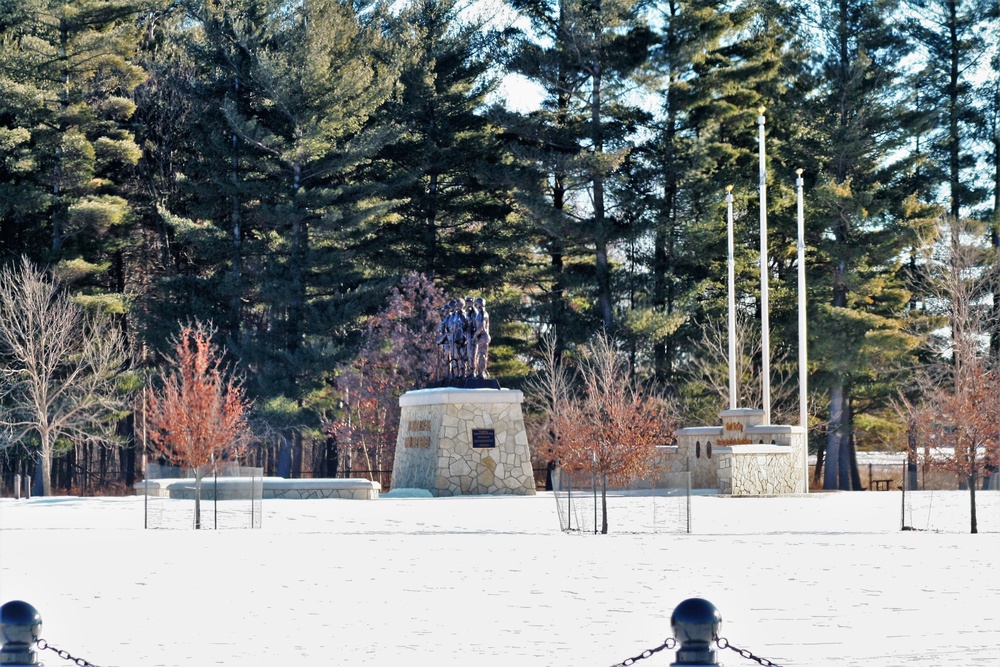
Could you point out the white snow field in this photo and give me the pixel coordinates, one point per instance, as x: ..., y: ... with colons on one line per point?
x: 819, y: 579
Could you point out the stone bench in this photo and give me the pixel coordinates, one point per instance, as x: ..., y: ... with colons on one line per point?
x: 238, y: 488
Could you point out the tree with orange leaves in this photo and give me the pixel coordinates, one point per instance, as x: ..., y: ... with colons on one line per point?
x: 614, y: 425
x: 197, y: 417
x: 961, y: 391
x: 962, y: 420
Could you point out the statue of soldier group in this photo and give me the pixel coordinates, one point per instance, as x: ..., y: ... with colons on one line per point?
x: 464, y: 338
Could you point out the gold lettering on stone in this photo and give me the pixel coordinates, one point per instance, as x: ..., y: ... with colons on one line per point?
x: 418, y: 441
x: 420, y: 425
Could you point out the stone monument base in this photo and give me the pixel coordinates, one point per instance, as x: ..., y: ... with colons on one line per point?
x: 455, y: 442
x: 743, y: 457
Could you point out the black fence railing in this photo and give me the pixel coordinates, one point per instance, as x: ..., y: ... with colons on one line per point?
x: 695, y: 623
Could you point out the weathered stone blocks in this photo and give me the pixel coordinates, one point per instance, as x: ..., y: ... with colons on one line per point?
x: 450, y: 465
x: 742, y: 457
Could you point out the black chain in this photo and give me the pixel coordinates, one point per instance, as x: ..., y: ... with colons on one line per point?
x: 670, y: 643
x: 722, y: 642
x: 42, y: 644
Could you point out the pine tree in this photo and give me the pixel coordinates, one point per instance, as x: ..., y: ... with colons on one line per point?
x: 454, y: 219
x: 68, y: 71
x: 714, y: 71
x: 549, y: 165
x: 179, y: 262
x: 294, y: 90
x: 953, y: 37
x: 862, y: 230
x: 594, y: 57
x: 991, y: 135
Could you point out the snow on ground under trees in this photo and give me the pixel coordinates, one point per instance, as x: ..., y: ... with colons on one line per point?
x: 820, y: 579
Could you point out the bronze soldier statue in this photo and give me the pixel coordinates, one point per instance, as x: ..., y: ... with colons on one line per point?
x: 480, y: 337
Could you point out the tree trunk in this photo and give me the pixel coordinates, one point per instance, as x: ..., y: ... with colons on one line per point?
x: 59, y: 210
x: 972, y: 499
x: 69, y: 462
x: 995, y: 234
x: 557, y: 247
x: 102, y: 468
x: 44, y: 473
x: 197, y: 497
x: 911, y: 456
x: 334, y: 464
x: 604, y: 504
x: 284, y: 458
x: 851, y: 474
x: 128, y: 465
x: 235, y: 304
x: 430, y: 225
x: 831, y: 473
x: 818, y: 470
x: 85, y: 468
x: 660, y: 300
x: 296, y: 454
x: 600, y: 223
x: 954, y: 136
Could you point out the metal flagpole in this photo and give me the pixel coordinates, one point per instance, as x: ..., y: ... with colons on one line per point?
x: 765, y: 325
x: 803, y: 407
x: 803, y: 356
x: 732, y: 299
x: 145, y: 467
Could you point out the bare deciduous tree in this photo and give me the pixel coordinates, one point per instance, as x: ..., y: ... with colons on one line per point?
x: 961, y: 391
x: 613, y: 425
x: 397, y: 354
x: 547, y: 394
x: 61, y: 368
x: 710, y: 367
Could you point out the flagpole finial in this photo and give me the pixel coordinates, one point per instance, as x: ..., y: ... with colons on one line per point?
x: 799, y: 172
x: 761, y: 109
x: 729, y: 189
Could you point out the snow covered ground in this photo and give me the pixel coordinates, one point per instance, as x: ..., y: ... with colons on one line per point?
x: 822, y: 579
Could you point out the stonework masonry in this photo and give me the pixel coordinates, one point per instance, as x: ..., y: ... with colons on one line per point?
x: 234, y: 488
x: 463, y: 442
x: 741, y: 458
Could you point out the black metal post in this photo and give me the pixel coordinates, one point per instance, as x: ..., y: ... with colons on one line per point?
x: 594, y: 482
x: 20, y: 628
x: 569, y: 502
x: 696, y: 624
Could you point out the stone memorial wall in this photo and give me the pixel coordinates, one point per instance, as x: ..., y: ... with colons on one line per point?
x: 463, y: 442
x: 741, y: 458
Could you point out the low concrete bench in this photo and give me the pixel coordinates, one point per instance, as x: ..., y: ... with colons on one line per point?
x: 239, y: 488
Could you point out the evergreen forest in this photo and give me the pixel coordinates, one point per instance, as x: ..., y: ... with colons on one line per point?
x: 293, y: 171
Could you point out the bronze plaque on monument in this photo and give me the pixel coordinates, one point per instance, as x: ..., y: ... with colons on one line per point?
x: 483, y: 438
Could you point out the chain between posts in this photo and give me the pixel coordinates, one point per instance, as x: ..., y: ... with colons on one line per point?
x: 42, y: 644
x: 723, y: 643
x: 668, y: 644
x: 671, y: 643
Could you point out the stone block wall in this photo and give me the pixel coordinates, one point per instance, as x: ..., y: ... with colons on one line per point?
x: 463, y: 442
x: 752, y: 470
x: 742, y: 457
x: 237, y: 488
